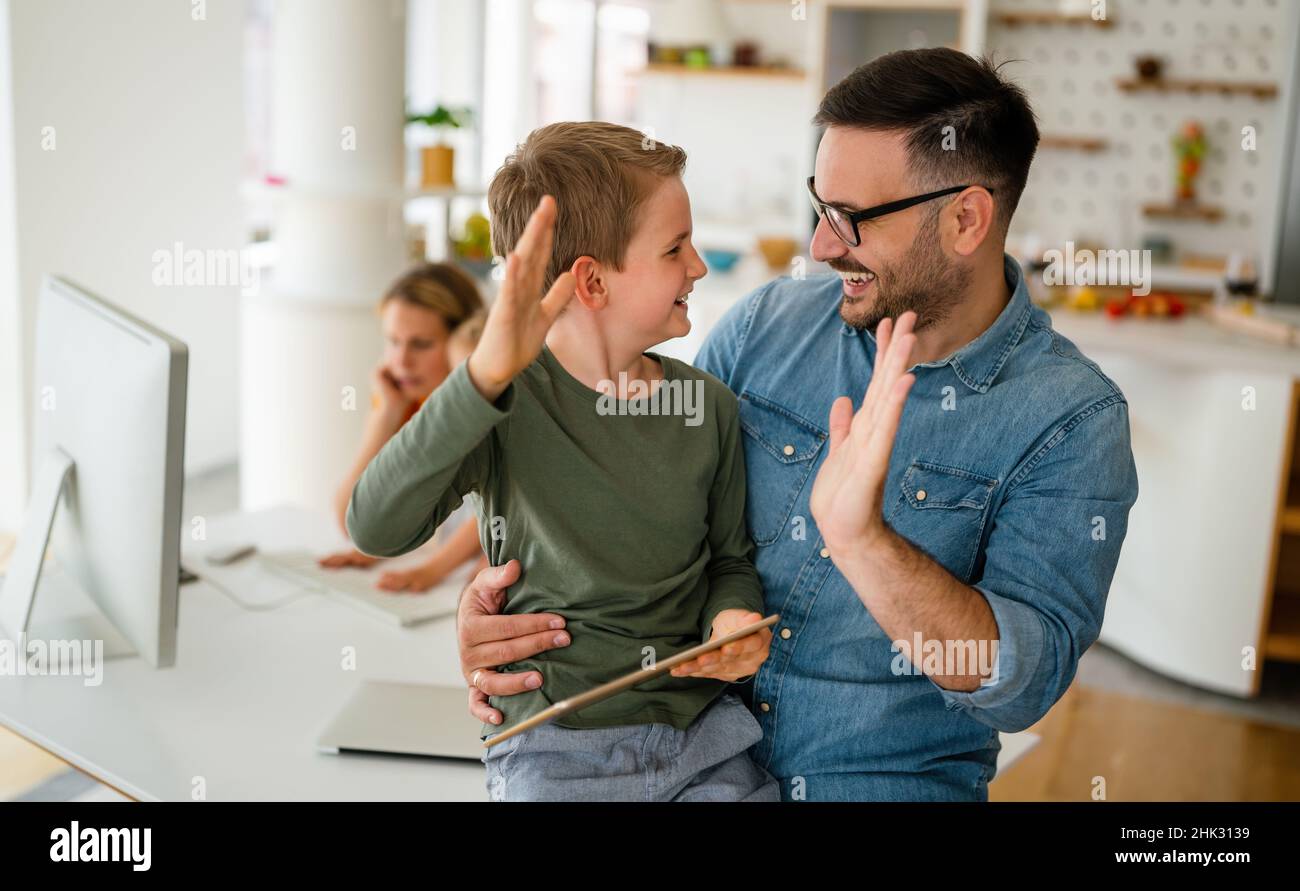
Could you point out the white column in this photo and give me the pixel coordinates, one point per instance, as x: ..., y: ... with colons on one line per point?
x: 974, y: 27
x: 311, y: 336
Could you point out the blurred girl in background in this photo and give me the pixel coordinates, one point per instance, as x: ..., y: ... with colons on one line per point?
x: 431, y: 319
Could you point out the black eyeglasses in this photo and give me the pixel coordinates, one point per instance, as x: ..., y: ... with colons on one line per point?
x: 845, y: 224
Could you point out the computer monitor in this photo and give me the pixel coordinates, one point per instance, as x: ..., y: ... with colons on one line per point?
x: 108, y: 460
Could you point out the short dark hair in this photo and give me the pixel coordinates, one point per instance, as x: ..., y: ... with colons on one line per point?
x: 923, y: 91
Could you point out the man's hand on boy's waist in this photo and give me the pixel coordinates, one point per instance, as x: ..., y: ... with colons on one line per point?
x: 487, y: 639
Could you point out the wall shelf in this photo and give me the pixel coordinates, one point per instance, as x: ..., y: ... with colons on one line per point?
x: 414, y: 192
x: 1072, y: 143
x: 1047, y: 17
x: 755, y: 71
x: 899, y: 5
x: 1279, y: 633
x: 1289, y: 522
x: 1258, y: 89
x: 1282, y: 640
x: 1188, y: 211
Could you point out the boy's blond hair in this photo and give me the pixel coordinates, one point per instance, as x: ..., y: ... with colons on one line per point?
x: 599, y: 174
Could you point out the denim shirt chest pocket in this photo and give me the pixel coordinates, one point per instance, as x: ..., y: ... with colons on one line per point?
x: 781, y: 450
x: 943, y: 510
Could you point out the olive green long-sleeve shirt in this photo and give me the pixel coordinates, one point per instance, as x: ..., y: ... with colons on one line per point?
x: 631, y: 526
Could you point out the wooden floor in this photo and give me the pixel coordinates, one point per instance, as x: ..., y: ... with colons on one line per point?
x: 23, y: 765
x: 1151, y: 751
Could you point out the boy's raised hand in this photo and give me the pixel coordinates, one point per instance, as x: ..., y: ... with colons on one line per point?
x: 520, y: 317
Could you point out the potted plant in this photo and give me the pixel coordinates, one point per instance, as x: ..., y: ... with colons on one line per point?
x: 438, y: 161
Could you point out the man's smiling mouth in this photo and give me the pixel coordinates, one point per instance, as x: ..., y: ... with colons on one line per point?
x: 857, y: 284
x: 857, y: 278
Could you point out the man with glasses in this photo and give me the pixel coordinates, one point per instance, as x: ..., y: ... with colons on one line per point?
x: 941, y: 556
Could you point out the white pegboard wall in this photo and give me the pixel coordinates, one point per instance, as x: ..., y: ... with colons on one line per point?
x: 1070, y: 72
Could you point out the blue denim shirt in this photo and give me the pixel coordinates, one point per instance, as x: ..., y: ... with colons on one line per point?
x: 1021, y: 446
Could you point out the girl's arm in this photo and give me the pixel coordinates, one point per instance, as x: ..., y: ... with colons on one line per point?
x: 382, y: 422
x: 426, y: 469
x: 459, y: 548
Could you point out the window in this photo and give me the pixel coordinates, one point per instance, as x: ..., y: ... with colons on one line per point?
x: 586, y: 54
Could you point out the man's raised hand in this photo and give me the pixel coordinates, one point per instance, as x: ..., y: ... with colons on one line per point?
x: 849, y: 489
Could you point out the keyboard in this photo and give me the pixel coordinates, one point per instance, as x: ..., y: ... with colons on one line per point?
x: 356, y: 587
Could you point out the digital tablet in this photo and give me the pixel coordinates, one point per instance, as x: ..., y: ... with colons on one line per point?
x: 618, y: 685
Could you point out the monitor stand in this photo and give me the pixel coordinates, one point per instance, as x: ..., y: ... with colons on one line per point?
x: 18, y: 592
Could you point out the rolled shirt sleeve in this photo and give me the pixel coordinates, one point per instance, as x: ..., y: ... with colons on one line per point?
x: 1050, y: 558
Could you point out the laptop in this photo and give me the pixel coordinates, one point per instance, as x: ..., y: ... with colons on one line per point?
x: 355, y: 586
x: 387, y: 717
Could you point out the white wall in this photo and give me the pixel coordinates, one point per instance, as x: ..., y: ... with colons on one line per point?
x: 746, y: 141
x: 509, y: 100
x: 13, y: 470
x: 146, y: 106
x: 1098, y: 198
x: 444, y: 64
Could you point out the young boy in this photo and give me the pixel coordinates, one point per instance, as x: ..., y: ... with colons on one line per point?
x: 615, y: 476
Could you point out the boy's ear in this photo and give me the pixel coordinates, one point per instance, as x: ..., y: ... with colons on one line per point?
x: 590, y: 285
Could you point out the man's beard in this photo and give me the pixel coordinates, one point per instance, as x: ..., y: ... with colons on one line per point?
x: 924, y: 281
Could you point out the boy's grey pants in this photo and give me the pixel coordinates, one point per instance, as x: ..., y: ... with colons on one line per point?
x: 635, y: 762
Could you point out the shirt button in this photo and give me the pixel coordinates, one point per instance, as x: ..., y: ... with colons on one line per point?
x: 789, y: 450
x: 920, y: 494
x: 825, y: 552
x: 765, y: 707
x: 785, y: 634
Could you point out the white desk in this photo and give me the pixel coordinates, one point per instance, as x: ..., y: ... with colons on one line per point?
x: 251, y: 691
